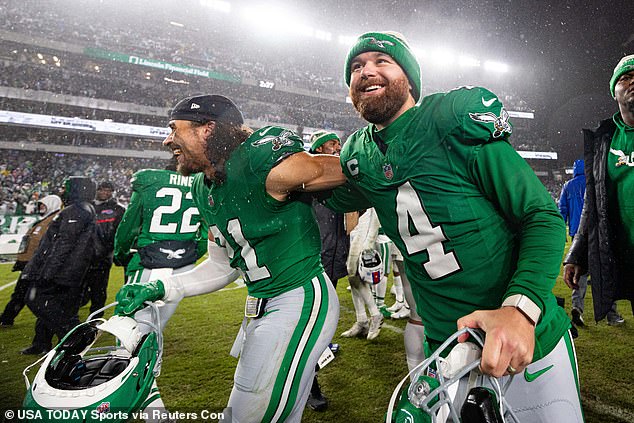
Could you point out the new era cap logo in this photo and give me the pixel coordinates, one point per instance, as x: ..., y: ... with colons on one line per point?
x: 194, y: 106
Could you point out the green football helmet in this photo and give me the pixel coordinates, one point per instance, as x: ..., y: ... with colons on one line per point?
x: 77, y: 383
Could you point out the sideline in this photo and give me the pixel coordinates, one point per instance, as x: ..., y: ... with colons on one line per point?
x: 10, y: 284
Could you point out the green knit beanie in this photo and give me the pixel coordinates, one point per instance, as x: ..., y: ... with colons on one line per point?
x: 393, y: 44
x: 319, y: 138
x: 625, y: 65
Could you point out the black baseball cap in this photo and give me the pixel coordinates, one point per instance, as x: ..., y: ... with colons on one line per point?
x: 203, y: 108
x: 106, y: 185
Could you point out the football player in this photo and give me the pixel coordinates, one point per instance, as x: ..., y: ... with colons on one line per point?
x: 389, y: 256
x: 244, y: 193
x: 414, y: 333
x: 480, y: 235
x: 159, y: 235
x: 362, y: 238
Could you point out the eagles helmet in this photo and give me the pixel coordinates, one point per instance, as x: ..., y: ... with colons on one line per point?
x: 77, y: 383
x: 370, y: 266
x: 449, y: 387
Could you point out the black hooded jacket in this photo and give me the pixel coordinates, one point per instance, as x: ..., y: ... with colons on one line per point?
x: 67, y: 249
x: 593, y: 245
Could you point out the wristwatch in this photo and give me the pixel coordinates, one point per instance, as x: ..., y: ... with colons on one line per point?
x: 525, y: 305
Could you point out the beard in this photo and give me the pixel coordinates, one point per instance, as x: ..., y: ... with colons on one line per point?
x: 185, y: 169
x: 380, y: 109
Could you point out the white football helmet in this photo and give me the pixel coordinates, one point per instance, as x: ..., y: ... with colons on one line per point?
x: 370, y: 266
x: 452, y: 389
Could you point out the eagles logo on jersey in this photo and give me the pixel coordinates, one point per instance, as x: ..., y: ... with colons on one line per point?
x: 500, y: 123
x: 243, y: 215
x: 284, y: 138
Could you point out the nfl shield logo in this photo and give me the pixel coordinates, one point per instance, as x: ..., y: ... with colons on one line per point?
x: 104, y: 407
x: 211, y: 200
x: 387, y: 171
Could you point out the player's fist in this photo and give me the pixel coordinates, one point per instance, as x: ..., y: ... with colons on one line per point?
x: 131, y: 297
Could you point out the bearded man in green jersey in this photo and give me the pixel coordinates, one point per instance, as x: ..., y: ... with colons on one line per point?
x: 244, y: 192
x: 480, y: 235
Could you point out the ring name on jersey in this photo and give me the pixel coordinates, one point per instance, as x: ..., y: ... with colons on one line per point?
x: 185, y: 181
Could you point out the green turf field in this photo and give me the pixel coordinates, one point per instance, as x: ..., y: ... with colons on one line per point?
x: 197, y: 370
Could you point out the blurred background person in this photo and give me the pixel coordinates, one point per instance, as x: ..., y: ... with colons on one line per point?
x: 604, y: 244
x: 335, y: 245
x: 108, y: 216
x: 58, y: 267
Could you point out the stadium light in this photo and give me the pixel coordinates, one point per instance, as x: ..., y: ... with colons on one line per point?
x: 468, y: 62
x: 275, y: 20
x: 323, y: 35
x: 347, y: 40
x: 219, y: 5
x: 496, y: 66
x: 442, y: 57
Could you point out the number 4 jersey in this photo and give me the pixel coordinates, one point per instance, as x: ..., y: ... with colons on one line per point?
x: 161, y: 210
x: 275, y: 244
x: 472, y: 220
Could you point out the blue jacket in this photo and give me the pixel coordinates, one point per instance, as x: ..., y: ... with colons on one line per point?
x: 571, y: 199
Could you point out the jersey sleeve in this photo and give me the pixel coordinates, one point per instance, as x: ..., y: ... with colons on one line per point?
x: 509, y: 182
x: 128, y: 229
x: 346, y: 198
x: 480, y: 115
x: 269, y: 146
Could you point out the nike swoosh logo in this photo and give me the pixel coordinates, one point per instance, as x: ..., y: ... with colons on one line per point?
x: 264, y: 131
x: 488, y: 103
x: 530, y: 377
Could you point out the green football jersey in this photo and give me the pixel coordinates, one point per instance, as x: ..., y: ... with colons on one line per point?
x: 472, y: 220
x: 161, y: 209
x: 276, y: 244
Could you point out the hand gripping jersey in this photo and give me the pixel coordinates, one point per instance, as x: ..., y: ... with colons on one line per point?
x: 275, y: 244
x: 472, y: 220
x: 161, y: 210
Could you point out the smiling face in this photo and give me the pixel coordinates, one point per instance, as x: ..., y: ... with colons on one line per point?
x: 332, y: 147
x: 188, y: 143
x: 379, y: 89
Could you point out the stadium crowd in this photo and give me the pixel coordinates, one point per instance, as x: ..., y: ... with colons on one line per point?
x: 26, y: 177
